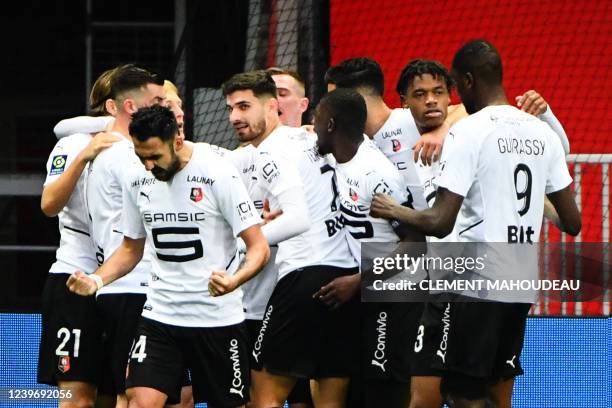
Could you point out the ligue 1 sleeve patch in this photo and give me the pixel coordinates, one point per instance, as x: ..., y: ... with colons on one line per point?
x: 58, y: 164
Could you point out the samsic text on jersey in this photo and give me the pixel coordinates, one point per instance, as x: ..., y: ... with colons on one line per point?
x: 191, y: 224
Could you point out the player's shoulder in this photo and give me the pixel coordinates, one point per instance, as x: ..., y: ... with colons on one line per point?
x: 374, y: 164
x: 209, y: 160
x: 74, y: 142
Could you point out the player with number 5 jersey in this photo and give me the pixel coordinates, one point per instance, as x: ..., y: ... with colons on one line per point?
x: 189, y: 204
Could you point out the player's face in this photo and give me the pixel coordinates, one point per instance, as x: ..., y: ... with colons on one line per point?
x: 428, y: 99
x: 291, y: 100
x: 158, y: 157
x: 321, y: 128
x: 247, y: 114
x: 175, y: 104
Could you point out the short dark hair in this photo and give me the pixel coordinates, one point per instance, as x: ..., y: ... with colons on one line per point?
x: 480, y: 58
x: 348, y: 108
x: 153, y: 121
x: 418, y: 68
x: 259, y: 81
x: 357, y: 73
x: 282, y: 71
x: 131, y: 77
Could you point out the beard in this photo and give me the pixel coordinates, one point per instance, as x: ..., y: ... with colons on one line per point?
x: 166, y: 174
x: 255, y: 131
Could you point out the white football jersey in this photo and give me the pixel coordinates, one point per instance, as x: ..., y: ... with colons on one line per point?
x: 191, y: 224
x: 76, y: 250
x: 395, y: 139
x: 367, y: 173
x: 286, y: 159
x: 105, y: 182
x: 503, y: 161
x: 258, y: 290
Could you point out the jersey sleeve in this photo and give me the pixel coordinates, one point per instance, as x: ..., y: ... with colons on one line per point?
x: 458, y: 163
x: 558, y: 176
x: 61, y: 157
x: 234, y: 201
x: 276, y: 174
x: 81, y: 124
x: 131, y: 221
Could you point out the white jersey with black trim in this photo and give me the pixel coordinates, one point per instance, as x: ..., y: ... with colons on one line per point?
x: 367, y: 173
x: 286, y: 159
x: 257, y: 291
x: 191, y: 224
x: 395, y: 139
x: 503, y: 161
x: 76, y: 250
x: 105, y: 182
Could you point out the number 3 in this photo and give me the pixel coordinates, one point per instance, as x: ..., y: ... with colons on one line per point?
x: 418, y: 344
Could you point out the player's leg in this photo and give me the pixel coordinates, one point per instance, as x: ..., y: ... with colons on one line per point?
x: 121, y: 314
x: 70, y: 343
x: 218, y: 360
x: 501, y: 393
x: 289, y: 339
x: 186, y: 398
x: 329, y: 392
x: 300, y: 397
x: 508, y: 364
x: 425, y: 392
x: 335, y: 358
x: 269, y: 390
x: 425, y: 381
x: 156, y: 365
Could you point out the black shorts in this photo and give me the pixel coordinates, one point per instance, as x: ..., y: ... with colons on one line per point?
x: 217, y: 358
x: 428, y: 337
x: 388, y: 337
x: 482, y: 340
x: 300, y: 336
x: 119, y: 314
x: 70, y: 341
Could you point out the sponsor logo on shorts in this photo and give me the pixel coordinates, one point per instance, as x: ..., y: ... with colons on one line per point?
x: 237, y: 386
x: 262, y: 331
x: 58, y: 164
x: 64, y: 364
x: 446, y: 327
x: 381, y: 342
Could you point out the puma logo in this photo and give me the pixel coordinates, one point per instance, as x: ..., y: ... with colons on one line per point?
x: 442, y: 356
x: 146, y: 196
x: 511, y: 361
x: 381, y: 365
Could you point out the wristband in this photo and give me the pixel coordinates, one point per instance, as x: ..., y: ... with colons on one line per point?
x: 98, y: 280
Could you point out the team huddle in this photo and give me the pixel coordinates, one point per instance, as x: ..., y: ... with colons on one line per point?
x: 190, y: 273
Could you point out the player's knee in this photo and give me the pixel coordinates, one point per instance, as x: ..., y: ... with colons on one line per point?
x: 424, y: 400
x: 79, y: 401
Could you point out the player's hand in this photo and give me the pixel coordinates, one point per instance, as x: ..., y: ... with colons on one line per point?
x: 98, y: 143
x: 221, y: 284
x: 269, y: 215
x: 338, y: 291
x: 81, y: 284
x: 383, y: 206
x: 532, y: 103
x: 308, y: 128
x: 429, y: 146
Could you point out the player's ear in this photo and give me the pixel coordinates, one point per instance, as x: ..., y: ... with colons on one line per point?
x: 129, y: 105
x: 468, y: 80
x: 304, y: 104
x: 111, y: 106
x: 331, y: 125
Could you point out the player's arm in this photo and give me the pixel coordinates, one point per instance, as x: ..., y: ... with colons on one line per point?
x: 437, y: 221
x: 429, y: 146
x: 56, y: 194
x: 82, y: 124
x: 123, y: 260
x: 533, y: 103
x: 257, y: 255
x: 567, y: 211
